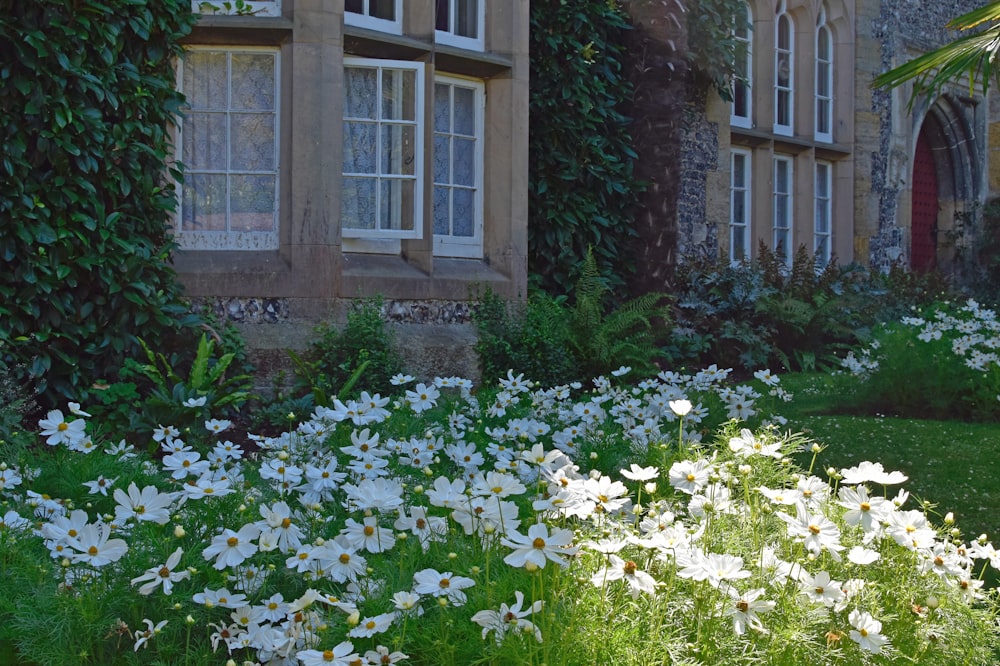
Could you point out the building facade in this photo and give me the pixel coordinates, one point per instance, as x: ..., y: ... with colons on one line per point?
x: 808, y: 154
x: 337, y: 149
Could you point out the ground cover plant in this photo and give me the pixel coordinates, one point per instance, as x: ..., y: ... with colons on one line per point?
x: 625, y: 521
x: 953, y: 465
x: 939, y: 362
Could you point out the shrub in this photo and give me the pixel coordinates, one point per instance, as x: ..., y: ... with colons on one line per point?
x: 86, y: 103
x: 763, y: 313
x: 363, y: 348
x: 557, y: 343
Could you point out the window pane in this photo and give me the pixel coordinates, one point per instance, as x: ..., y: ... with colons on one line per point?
x: 204, y: 137
x: 467, y: 20
x: 442, y: 210
x: 442, y: 10
x: 359, y: 147
x: 464, y: 170
x: 204, y: 203
x: 396, y: 196
x: 442, y: 108
x: 205, y: 80
x: 739, y: 207
x: 398, y: 94
x: 397, y: 150
x: 465, y: 112
x: 463, y: 212
x: 253, y: 81
x: 357, y: 203
x: 739, y: 170
x: 442, y: 160
x: 781, y: 176
x: 383, y: 9
x: 360, y: 92
x: 784, y: 33
x: 253, y: 142
x: 354, y: 6
x: 252, y: 203
x: 738, y: 250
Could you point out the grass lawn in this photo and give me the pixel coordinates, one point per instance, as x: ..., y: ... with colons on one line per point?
x: 954, y: 465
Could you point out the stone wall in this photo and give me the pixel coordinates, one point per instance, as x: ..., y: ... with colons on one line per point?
x: 434, y: 337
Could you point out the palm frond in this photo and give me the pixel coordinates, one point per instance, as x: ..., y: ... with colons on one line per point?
x: 976, y: 17
x: 969, y: 55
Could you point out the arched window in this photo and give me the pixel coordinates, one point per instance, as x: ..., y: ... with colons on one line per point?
x: 824, y: 79
x: 784, y: 72
x: 742, y: 106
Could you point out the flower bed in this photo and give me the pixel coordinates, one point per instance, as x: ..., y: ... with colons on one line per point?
x: 614, y: 523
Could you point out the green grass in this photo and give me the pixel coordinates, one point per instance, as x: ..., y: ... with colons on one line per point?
x: 952, y: 464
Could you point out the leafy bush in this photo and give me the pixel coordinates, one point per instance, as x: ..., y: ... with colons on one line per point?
x: 531, y: 337
x: 558, y: 343
x: 581, y: 190
x: 940, y: 365
x: 762, y: 313
x: 342, y: 356
x: 86, y: 103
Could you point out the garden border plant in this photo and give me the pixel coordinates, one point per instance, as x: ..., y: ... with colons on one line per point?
x: 87, y: 99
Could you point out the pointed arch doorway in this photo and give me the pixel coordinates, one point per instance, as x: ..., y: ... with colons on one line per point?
x: 925, y: 207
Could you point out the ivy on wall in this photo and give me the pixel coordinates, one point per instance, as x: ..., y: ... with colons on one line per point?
x: 86, y: 100
x: 582, y: 190
x: 712, y: 46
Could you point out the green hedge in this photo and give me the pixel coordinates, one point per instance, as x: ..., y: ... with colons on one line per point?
x: 86, y: 101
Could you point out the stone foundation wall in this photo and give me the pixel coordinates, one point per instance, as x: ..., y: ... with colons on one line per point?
x: 434, y: 337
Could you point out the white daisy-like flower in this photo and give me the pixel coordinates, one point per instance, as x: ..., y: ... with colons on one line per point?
x: 866, y: 631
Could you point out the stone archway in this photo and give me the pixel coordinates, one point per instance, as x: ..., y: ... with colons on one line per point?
x: 946, y: 180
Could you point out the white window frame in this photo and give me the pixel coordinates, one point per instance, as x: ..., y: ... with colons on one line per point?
x: 740, y: 229
x: 823, y: 194
x: 824, y: 78
x: 225, y: 239
x: 465, y: 246
x: 366, y: 20
x: 746, y: 39
x: 787, y: 90
x: 418, y: 123
x: 451, y: 39
x: 256, y: 7
x: 781, y: 227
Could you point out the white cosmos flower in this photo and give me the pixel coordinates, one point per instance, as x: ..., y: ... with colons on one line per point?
x: 146, y: 504
x: 539, y: 546
x: 816, y: 531
x: 871, y: 472
x: 743, y: 608
x: 619, y: 569
x: 509, y: 619
x: 862, y: 555
x: 162, y: 575
x: 866, y: 632
x: 822, y: 590
x: 637, y: 473
x: 95, y: 548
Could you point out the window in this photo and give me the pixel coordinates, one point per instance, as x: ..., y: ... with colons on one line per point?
x: 784, y: 72
x: 739, y: 216
x: 824, y: 80
x: 458, y: 167
x: 382, y: 193
x: 743, y: 82
x: 229, y: 146
x: 383, y: 15
x: 255, y: 7
x: 822, y: 249
x: 460, y: 23
x: 782, y: 207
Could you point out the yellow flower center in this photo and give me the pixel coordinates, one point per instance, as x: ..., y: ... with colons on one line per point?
x: 344, y: 558
x: 369, y: 530
x: 814, y: 529
x: 62, y: 427
x: 232, y: 542
x: 539, y: 542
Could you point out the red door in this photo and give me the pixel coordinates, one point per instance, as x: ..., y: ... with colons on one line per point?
x: 923, y: 232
